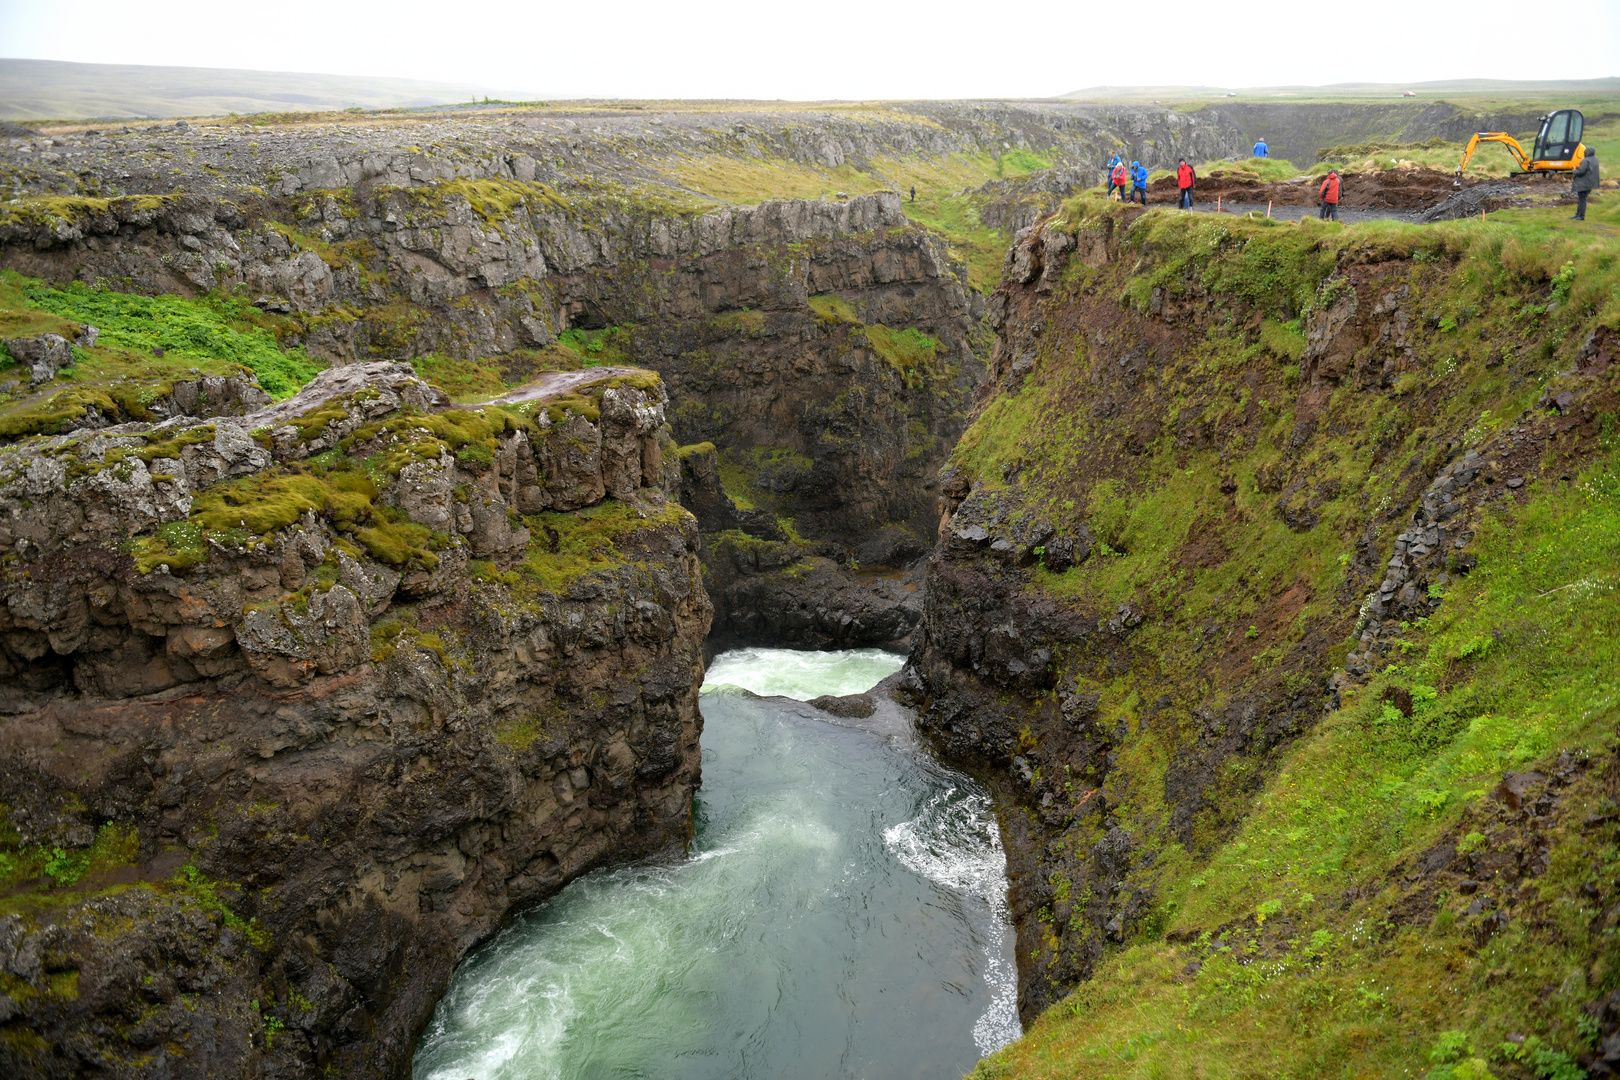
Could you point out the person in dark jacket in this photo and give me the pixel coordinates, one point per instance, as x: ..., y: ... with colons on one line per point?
x: 1261, y: 149
x: 1330, y: 191
x: 1584, y: 181
x: 1186, y: 180
x: 913, y: 192
x: 1139, y: 178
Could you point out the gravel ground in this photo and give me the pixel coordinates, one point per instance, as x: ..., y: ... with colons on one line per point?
x: 1294, y: 213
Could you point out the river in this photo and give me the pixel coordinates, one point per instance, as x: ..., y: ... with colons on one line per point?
x: 841, y: 913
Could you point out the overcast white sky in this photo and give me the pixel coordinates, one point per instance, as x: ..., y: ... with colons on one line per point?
x: 893, y: 49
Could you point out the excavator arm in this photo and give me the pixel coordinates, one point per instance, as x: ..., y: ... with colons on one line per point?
x: 1502, y: 137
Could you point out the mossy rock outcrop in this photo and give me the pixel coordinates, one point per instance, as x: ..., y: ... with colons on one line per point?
x: 299, y: 705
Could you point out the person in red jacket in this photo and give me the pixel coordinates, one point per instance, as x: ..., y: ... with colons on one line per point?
x: 1186, y: 179
x: 1330, y: 191
x: 1116, y: 180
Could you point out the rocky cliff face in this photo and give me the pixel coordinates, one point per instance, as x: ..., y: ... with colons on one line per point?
x: 299, y: 705
x: 478, y: 237
x: 772, y: 589
x: 1298, y: 133
x: 630, y: 144
x: 1226, y: 470
x: 828, y: 347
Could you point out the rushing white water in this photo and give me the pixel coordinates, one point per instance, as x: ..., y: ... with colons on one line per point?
x: 797, y: 673
x: 842, y: 913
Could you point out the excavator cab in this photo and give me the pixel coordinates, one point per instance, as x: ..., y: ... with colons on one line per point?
x: 1559, y: 136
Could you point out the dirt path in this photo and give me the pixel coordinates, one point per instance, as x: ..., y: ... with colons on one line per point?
x: 556, y: 383
x: 1294, y: 213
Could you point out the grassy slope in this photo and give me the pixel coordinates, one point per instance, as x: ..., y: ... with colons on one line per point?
x: 1518, y: 664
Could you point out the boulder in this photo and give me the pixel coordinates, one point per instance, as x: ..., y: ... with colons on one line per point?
x: 43, y: 355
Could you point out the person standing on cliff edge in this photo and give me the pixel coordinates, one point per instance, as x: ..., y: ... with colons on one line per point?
x: 1139, y: 178
x: 1583, y: 181
x: 1261, y: 149
x: 1114, y: 162
x: 1186, y: 178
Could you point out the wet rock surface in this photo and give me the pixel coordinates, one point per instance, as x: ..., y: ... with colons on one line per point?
x: 311, y: 757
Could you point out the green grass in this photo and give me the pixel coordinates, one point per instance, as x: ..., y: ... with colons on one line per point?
x: 463, y: 380
x: 1490, y: 159
x: 565, y: 547
x: 1263, y: 170
x: 610, y: 346
x: 832, y: 309
x: 119, y: 377
x: 1508, y: 674
x: 909, y: 351
x: 749, y: 476
x: 494, y: 200
x: 957, y: 218
x: 339, y: 486
x: 215, y: 328
x: 37, y: 876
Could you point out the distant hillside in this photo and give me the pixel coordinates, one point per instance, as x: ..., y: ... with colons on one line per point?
x: 57, y: 90
x: 1352, y: 91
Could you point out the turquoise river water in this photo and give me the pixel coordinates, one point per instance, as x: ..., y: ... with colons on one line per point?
x: 841, y: 913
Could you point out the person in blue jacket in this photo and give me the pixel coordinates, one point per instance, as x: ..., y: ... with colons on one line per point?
x: 1261, y: 149
x: 1139, y: 177
x: 1108, y: 172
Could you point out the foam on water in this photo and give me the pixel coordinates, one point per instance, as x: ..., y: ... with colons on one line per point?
x: 955, y: 842
x: 842, y: 913
x: 802, y: 673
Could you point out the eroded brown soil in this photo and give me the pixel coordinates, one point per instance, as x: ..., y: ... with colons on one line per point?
x: 1385, y: 189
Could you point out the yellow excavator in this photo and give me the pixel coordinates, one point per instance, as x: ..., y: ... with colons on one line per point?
x: 1558, y: 146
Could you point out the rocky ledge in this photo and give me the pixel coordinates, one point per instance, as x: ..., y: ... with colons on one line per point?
x: 300, y: 705
x: 770, y: 588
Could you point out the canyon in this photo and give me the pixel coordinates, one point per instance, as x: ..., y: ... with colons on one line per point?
x: 377, y: 486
